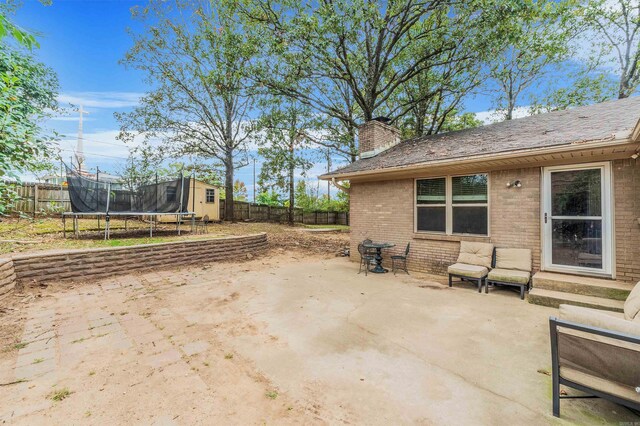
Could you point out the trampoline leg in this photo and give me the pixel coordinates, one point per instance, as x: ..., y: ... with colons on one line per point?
x: 64, y: 227
x: 178, y: 221
x: 98, y: 223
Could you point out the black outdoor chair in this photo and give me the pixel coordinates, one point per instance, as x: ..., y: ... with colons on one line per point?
x: 401, y: 259
x: 368, y: 250
x: 366, y: 258
x: 202, y: 224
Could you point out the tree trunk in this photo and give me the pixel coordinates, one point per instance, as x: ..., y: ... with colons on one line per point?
x: 228, y: 188
x: 291, y: 185
x: 623, y: 89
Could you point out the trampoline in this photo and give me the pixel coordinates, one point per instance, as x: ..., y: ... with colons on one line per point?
x: 92, y: 197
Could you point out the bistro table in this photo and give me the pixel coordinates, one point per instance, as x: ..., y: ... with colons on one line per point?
x: 378, y: 257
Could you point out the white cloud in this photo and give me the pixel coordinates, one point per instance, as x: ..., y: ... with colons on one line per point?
x: 493, y: 116
x: 70, y: 118
x: 99, y: 147
x: 101, y: 99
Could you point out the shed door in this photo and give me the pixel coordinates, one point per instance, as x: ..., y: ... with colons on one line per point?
x: 577, y: 219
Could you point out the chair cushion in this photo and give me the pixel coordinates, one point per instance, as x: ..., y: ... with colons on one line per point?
x: 518, y: 259
x: 471, y: 271
x: 599, y: 318
x: 509, y: 276
x: 472, y: 253
x: 609, y: 386
x: 632, y: 304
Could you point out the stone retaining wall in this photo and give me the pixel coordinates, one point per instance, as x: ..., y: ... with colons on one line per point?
x: 104, y: 262
x: 7, y: 277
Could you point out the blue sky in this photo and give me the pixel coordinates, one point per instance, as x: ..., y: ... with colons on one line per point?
x: 83, y: 40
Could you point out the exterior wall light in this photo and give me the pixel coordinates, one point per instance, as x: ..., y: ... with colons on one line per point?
x: 514, y: 184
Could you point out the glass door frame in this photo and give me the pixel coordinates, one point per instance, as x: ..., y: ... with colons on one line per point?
x: 607, y: 221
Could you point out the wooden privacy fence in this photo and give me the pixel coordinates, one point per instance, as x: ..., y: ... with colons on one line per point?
x: 40, y: 198
x: 47, y: 199
x: 264, y: 213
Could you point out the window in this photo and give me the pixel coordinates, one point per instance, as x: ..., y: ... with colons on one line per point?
x: 453, y: 205
x: 171, y: 194
x: 210, y: 195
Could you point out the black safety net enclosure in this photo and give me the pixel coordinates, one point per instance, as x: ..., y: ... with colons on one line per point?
x: 89, y: 195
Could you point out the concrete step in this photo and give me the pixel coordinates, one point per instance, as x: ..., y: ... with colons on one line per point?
x: 587, y: 286
x: 554, y: 299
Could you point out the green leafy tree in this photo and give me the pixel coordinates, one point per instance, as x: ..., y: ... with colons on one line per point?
x: 309, y: 199
x: 347, y: 59
x: 538, y: 38
x: 195, y: 56
x: 613, y: 32
x: 269, y: 198
x: 28, y: 91
x: 239, y: 191
x: 140, y: 168
x: 584, y: 88
x: 284, y: 126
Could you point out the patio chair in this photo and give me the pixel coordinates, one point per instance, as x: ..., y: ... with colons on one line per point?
x: 512, y: 268
x: 202, y: 224
x: 366, y: 258
x: 369, y: 250
x: 473, y: 263
x: 598, y: 353
x: 400, y: 259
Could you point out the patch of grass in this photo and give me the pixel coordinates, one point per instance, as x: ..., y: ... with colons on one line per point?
x: 206, y: 364
x: 87, y: 413
x: 124, y: 313
x: 91, y: 373
x: 60, y: 394
x: 20, y: 345
x: 80, y: 340
x: 38, y: 361
x: 340, y: 227
x: 271, y: 394
x: 228, y: 356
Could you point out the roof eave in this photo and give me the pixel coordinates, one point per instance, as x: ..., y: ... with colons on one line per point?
x: 633, y: 137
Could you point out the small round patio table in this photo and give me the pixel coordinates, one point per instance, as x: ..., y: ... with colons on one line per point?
x: 378, y: 257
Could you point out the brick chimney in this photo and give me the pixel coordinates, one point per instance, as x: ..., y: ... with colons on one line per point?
x: 376, y: 136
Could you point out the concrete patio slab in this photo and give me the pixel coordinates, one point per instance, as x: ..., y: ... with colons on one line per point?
x: 287, y: 339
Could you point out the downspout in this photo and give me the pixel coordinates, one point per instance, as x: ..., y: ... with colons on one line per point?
x: 339, y: 186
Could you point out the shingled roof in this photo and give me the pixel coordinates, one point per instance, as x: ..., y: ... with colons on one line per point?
x: 601, y: 122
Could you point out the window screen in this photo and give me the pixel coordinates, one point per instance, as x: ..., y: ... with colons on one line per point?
x: 453, y: 205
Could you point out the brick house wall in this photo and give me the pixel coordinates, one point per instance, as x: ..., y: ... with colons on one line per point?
x: 384, y: 211
x: 626, y: 184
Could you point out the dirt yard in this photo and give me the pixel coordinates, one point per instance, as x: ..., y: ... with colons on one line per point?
x: 27, y: 235
x: 293, y: 337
